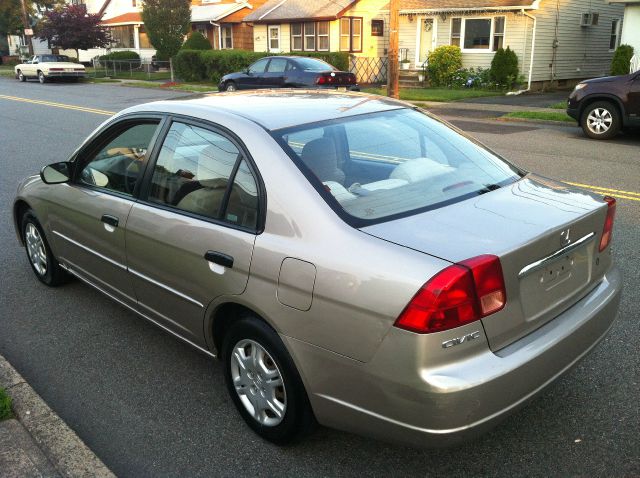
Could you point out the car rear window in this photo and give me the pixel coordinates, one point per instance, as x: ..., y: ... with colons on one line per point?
x: 310, y: 64
x: 381, y: 166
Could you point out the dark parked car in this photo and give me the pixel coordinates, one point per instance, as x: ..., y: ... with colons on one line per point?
x: 289, y: 72
x: 604, y: 106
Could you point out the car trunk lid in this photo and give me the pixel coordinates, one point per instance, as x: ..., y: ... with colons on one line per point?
x: 545, y: 233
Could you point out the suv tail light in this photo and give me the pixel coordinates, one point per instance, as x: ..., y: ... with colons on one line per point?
x: 607, y: 230
x: 460, y: 294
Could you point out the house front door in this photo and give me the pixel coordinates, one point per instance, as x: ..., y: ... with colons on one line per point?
x: 426, y: 39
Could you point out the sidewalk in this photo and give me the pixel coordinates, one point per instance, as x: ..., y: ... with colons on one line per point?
x: 37, y: 442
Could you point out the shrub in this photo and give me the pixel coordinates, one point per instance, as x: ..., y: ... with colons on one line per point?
x: 443, y: 64
x: 196, y: 41
x: 188, y: 65
x: 621, y: 61
x: 120, y: 60
x: 504, y: 68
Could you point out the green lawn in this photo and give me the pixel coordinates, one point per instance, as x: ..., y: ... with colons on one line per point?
x: 192, y: 87
x: 560, y: 105
x: 541, y: 115
x: 6, y: 71
x: 436, y: 94
x: 5, y: 405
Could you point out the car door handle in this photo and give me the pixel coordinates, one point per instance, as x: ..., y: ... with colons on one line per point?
x: 110, y: 220
x: 219, y: 258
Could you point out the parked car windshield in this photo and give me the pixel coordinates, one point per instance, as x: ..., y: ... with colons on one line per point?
x: 311, y: 64
x: 381, y: 166
x: 54, y: 58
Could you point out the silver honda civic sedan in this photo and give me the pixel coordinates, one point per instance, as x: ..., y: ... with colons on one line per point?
x: 352, y: 260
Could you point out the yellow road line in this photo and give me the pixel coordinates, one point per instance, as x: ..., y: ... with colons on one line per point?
x: 59, y: 105
x: 599, y: 188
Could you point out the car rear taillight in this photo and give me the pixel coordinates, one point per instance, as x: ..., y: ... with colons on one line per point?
x: 460, y: 294
x: 607, y: 230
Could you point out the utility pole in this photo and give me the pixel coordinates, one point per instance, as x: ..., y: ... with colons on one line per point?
x: 392, y: 58
x: 27, y: 27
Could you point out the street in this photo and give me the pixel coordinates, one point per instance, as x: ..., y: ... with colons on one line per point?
x: 149, y: 405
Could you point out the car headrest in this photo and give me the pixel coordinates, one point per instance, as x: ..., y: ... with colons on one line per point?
x: 320, y: 156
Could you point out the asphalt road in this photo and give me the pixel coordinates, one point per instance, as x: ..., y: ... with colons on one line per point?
x: 149, y: 405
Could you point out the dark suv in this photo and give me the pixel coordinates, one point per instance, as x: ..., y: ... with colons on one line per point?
x: 603, y: 106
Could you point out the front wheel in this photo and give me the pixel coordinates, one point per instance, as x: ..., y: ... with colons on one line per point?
x: 21, y: 76
x: 44, y: 264
x: 41, y: 78
x: 264, y: 383
x: 601, y: 120
x: 230, y: 86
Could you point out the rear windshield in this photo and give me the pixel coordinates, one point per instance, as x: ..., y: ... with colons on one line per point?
x: 382, y: 166
x: 310, y: 64
x: 55, y: 58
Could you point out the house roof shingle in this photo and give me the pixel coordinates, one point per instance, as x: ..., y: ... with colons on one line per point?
x: 131, y: 17
x: 277, y: 10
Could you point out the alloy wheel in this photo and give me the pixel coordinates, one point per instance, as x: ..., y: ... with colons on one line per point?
x: 36, y: 249
x: 258, y: 382
x: 599, y: 120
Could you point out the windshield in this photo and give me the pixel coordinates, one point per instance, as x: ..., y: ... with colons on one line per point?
x: 54, y: 58
x: 381, y: 166
x: 310, y: 64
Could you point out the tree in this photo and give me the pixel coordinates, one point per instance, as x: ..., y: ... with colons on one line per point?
x: 71, y: 27
x: 196, y: 41
x: 166, y: 22
x: 620, y: 64
x: 504, y: 68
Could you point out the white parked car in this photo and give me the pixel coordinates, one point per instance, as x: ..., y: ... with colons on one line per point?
x: 45, y: 67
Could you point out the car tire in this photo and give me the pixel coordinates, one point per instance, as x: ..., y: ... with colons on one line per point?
x: 43, y: 263
x: 263, y: 382
x: 230, y: 86
x: 601, y: 120
x: 21, y: 76
x: 41, y: 78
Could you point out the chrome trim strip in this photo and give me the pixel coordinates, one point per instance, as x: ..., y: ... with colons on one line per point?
x: 88, y: 249
x: 534, y: 266
x: 166, y: 329
x: 166, y: 287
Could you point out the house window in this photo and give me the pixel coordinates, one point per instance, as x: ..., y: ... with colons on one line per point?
x: 310, y: 36
x: 498, y: 33
x: 143, y: 38
x: 456, y: 29
x: 615, y: 35
x: 296, y: 36
x: 478, y: 34
x: 227, y: 37
x: 351, y: 34
x: 274, y: 38
x: 122, y: 36
x: 377, y: 28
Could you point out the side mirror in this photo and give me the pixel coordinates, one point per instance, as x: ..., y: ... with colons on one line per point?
x: 56, y: 173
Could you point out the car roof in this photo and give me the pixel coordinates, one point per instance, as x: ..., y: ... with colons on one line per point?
x: 277, y: 109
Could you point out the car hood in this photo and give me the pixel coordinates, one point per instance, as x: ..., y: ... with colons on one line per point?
x: 607, y: 79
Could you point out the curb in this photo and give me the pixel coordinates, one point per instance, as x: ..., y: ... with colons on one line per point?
x: 64, y: 449
x: 507, y: 119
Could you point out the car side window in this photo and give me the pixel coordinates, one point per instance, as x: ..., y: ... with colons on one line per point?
x: 277, y: 65
x: 117, y: 166
x: 258, y: 66
x: 193, y: 173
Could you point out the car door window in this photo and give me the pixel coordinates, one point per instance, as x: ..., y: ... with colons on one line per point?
x: 193, y: 174
x: 277, y: 65
x: 258, y: 67
x: 117, y: 165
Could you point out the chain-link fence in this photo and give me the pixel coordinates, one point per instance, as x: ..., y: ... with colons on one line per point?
x: 136, y: 69
x: 369, y: 70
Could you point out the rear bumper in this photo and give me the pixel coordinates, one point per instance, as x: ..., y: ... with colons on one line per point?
x: 401, y: 395
x: 66, y: 74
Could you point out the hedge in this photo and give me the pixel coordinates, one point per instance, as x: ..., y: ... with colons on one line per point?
x: 504, y: 68
x: 196, y: 41
x: 121, y: 60
x: 443, y: 64
x: 199, y: 65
